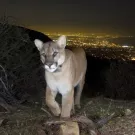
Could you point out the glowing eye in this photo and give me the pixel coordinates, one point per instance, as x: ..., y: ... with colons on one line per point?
x: 55, y: 53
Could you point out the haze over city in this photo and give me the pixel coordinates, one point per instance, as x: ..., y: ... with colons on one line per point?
x: 89, y: 24
x: 95, y: 16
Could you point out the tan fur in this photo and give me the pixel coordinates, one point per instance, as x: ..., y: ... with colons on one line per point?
x: 71, y: 74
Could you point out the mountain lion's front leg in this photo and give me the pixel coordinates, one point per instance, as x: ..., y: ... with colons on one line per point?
x: 51, y: 103
x: 79, y: 92
x: 67, y: 103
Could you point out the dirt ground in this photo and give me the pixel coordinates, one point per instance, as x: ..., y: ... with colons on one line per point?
x: 31, y: 120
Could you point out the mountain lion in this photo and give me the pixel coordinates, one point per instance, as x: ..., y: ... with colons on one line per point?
x: 64, y: 70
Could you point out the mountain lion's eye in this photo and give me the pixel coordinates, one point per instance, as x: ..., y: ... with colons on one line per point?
x: 55, y: 53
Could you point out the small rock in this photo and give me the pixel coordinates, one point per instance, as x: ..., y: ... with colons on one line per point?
x: 69, y: 128
x: 92, y: 132
x: 41, y: 132
x: 36, y: 103
x: 128, y: 112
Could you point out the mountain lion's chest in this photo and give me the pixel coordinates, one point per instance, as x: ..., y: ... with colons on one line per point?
x: 60, y: 83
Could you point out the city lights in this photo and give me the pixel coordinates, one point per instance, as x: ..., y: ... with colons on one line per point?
x: 98, y: 45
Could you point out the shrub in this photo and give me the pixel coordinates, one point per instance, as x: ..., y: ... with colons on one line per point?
x: 120, y: 80
x: 20, y: 59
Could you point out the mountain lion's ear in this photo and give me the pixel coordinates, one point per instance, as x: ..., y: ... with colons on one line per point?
x: 62, y: 41
x: 39, y: 44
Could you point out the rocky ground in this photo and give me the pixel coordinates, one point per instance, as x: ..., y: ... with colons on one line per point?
x: 33, y: 120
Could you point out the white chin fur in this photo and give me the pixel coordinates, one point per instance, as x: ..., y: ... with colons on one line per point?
x: 52, y: 69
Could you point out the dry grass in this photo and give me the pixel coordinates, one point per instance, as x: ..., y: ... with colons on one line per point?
x: 33, y: 120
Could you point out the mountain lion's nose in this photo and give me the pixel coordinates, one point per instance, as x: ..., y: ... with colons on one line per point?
x: 49, y: 64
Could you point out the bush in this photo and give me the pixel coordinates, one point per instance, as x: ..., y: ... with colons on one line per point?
x: 20, y: 59
x: 120, y: 80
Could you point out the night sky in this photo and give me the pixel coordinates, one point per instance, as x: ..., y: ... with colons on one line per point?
x: 73, y: 15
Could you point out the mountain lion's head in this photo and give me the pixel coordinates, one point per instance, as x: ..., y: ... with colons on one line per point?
x: 52, y: 54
